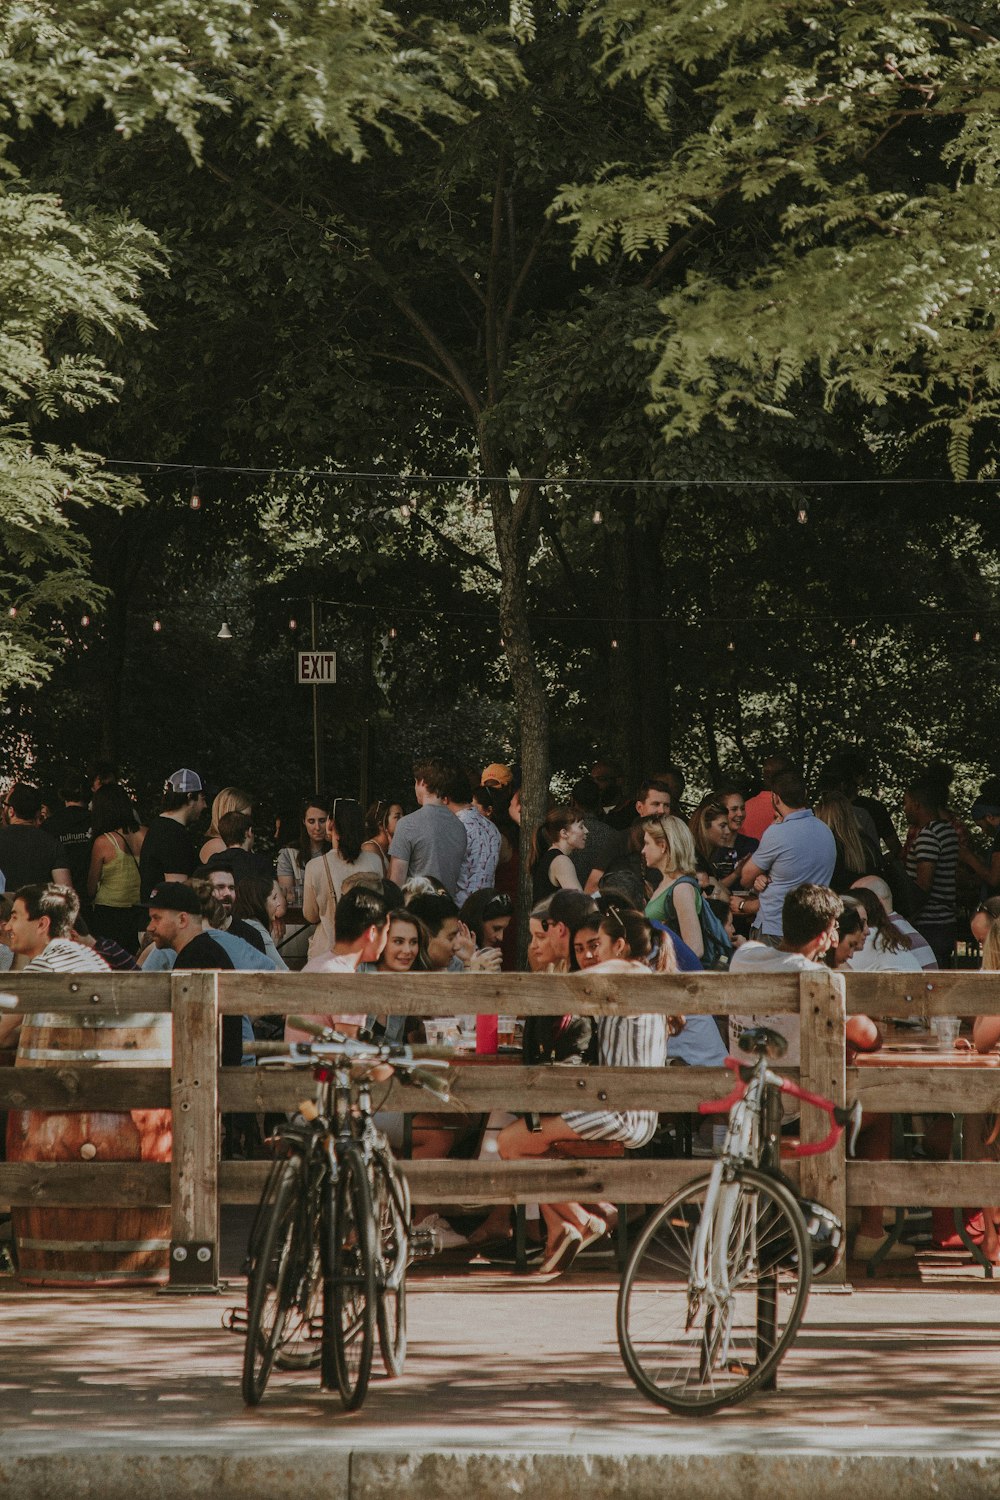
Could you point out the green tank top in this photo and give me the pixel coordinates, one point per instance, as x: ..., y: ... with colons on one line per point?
x: 119, y: 878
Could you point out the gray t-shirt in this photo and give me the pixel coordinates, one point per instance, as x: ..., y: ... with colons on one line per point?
x: 433, y: 842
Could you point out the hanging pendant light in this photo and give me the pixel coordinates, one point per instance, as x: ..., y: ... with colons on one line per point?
x: 225, y: 634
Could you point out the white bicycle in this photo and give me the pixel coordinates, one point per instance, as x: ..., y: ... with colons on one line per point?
x: 718, y: 1280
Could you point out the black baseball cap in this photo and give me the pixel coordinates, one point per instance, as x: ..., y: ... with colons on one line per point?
x: 174, y: 895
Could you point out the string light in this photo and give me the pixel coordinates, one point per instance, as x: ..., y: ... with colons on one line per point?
x: 195, y: 501
x: 13, y: 611
x: 293, y: 624
x: 225, y: 634
x: 393, y: 632
x: 730, y: 645
x: 157, y: 626
x: 802, y: 514
x: 977, y: 637
x: 614, y: 645
x: 84, y: 620
x: 597, y: 518
x: 853, y: 641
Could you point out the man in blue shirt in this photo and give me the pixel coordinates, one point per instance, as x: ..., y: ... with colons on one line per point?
x: 797, y: 849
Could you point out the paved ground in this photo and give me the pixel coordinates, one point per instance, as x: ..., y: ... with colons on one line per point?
x: 512, y: 1386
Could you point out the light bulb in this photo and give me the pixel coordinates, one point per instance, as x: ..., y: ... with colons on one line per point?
x: 195, y: 501
x: 853, y: 641
x: 13, y: 611
x: 730, y: 645
x: 614, y: 645
x: 84, y: 620
x: 802, y: 515
x: 597, y: 518
x: 293, y: 624
x: 393, y: 632
x: 224, y: 633
x: 157, y: 626
x: 977, y: 637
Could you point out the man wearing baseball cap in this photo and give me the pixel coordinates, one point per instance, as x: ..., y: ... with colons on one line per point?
x: 168, y: 850
x: 175, y: 921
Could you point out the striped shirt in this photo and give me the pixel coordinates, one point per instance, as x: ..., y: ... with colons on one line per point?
x: 623, y: 1042
x: 937, y: 843
x: 918, y: 944
x: 60, y: 956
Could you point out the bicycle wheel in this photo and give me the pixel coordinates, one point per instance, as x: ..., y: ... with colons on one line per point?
x: 695, y: 1352
x: 391, y: 1202
x: 270, y: 1288
x: 300, y: 1346
x: 349, y: 1281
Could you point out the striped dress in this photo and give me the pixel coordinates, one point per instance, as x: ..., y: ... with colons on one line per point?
x: 623, y: 1042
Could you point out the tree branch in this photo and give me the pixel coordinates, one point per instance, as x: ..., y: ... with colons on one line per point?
x: 418, y: 364
x: 517, y: 286
x: 454, y: 547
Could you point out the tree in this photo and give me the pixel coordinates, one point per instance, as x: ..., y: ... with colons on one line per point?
x: 322, y: 73
x: 843, y: 159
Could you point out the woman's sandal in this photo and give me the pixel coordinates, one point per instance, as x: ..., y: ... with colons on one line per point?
x: 565, y: 1248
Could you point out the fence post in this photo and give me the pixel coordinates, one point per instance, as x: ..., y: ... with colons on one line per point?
x: 194, y: 1099
x: 823, y: 1021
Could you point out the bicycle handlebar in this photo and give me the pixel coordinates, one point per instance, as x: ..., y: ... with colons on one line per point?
x: 839, y: 1118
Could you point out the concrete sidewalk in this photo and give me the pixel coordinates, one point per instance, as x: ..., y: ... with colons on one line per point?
x: 512, y: 1386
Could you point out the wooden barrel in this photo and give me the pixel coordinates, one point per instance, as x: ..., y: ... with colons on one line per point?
x: 92, y: 1246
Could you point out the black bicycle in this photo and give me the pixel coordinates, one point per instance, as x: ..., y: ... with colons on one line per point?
x: 331, y: 1239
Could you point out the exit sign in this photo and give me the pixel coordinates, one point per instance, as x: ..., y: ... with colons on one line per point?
x: 315, y: 667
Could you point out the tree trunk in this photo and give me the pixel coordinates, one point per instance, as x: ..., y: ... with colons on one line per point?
x: 514, y: 548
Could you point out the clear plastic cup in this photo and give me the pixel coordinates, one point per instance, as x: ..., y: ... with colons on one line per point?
x: 946, y: 1029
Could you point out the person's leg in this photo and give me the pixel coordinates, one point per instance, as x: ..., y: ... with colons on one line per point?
x: 517, y: 1141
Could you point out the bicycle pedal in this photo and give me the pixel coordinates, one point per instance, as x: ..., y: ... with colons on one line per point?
x: 422, y: 1243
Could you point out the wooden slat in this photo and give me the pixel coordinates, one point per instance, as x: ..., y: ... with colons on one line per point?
x: 195, y: 1103
x: 823, y: 1019
x: 72, y: 1088
x: 131, y: 1184
x: 483, y: 1182
x: 961, y: 992
x: 925, y: 1090
x: 921, y: 1183
x: 505, y: 994
x: 90, y: 994
x: 476, y: 1089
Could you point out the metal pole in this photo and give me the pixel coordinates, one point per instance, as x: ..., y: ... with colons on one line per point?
x: 317, y: 739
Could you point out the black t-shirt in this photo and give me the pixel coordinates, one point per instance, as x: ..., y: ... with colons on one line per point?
x: 249, y: 934
x: 28, y: 855
x: 203, y: 952
x: 167, y: 848
x: 71, y: 826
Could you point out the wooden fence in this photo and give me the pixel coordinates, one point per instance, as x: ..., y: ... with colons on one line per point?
x: 197, y: 1090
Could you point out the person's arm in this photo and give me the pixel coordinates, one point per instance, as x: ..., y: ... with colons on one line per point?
x: 985, y: 1033
x: 687, y: 917
x: 563, y: 874
x: 96, y: 866
x: 594, y: 882
x: 397, y: 870
x: 310, y: 905
x: 62, y: 876
x: 923, y: 873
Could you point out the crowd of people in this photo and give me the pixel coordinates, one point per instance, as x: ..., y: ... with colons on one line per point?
x: 622, y: 881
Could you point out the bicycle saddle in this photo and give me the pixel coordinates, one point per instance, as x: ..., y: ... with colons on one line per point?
x: 763, y: 1039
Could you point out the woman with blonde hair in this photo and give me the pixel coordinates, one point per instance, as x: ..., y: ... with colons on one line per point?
x: 853, y: 859
x: 230, y: 799
x: 669, y: 853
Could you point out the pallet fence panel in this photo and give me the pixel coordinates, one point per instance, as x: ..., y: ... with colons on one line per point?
x: 194, y: 1100
x: 196, y: 1089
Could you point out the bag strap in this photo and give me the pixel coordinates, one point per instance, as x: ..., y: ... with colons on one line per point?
x: 329, y: 881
